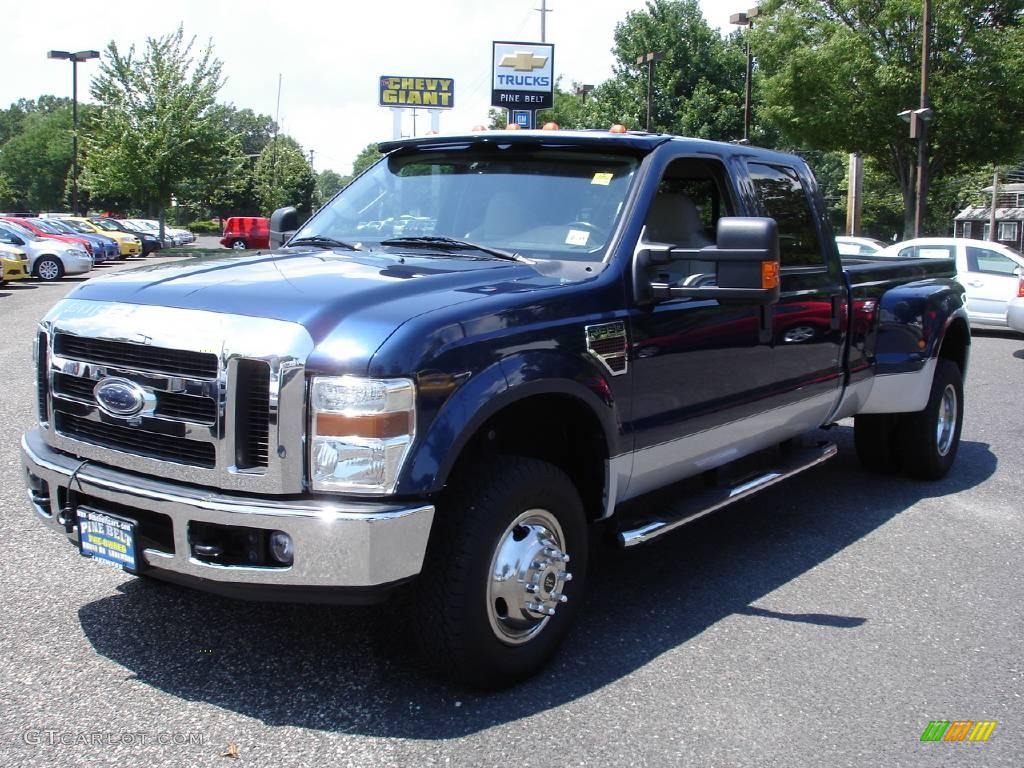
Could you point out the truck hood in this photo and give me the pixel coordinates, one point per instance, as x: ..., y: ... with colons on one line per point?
x: 363, y: 295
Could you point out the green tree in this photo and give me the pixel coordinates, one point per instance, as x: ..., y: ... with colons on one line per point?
x: 231, y: 189
x: 329, y: 183
x: 159, y: 128
x: 37, y: 160
x: 835, y: 73
x: 366, y: 157
x: 283, y: 177
x: 8, y: 198
x: 698, y: 85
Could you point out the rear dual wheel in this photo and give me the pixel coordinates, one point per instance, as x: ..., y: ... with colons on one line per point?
x: 924, y: 444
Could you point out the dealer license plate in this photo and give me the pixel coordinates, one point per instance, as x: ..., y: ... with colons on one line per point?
x: 106, y: 537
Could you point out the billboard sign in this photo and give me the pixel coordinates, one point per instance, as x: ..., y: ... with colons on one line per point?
x: 523, y: 75
x: 425, y: 92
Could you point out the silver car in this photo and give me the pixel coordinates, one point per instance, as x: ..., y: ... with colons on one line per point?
x: 48, y: 259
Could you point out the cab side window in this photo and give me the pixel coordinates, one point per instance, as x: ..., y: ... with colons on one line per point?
x: 782, y: 197
x: 692, y: 196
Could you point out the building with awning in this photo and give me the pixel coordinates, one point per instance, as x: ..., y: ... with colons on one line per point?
x: 973, y: 221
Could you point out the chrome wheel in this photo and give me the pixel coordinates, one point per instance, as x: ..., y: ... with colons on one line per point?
x: 48, y: 269
x: 528, y: 573
x: 799, y: 334
x: 945, y: 424
x: 238, y: 245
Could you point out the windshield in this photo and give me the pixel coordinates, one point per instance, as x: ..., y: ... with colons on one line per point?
x: 47, y: 226
x: 28, y: 234
x: 104, y: 224
x: 549, y: 204
x: 77, y: 226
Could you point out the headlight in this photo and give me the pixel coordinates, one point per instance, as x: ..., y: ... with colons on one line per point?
x: 77, y: 252
x: 361, y: 430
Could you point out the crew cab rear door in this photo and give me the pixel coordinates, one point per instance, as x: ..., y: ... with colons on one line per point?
x: 808, y: 324
x: 697, y: 366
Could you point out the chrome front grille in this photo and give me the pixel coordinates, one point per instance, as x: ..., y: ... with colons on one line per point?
x: 213, y: 413
x: 184, y: 427
x: 140, y: 357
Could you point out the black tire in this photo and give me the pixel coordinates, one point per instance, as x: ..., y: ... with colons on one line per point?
x: 452, y: 603
x: 927, y: 450
x: 49, y: 266
x: 874, y: 435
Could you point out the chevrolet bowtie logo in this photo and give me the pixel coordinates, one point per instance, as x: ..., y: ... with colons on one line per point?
x: 523, y: 61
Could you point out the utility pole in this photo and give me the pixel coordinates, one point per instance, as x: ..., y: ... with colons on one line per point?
x: 853, y: 194
x: 544, y: 11
x: 922, y: 127
x: 992, y: 211
x: 649, y: 59
x: 277, y: 127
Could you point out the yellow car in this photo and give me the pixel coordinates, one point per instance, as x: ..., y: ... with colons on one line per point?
x: 13, y: 263
x: 129, y: 245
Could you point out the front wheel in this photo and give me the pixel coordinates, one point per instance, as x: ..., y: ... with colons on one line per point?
x: 238, y: 245
x: 49, y: 268
x: 504, y: 574
x: 929, y: 439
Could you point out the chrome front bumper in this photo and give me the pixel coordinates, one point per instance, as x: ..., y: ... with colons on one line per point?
x: 337, y: 543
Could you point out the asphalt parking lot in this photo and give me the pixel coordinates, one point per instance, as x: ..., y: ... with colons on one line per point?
x: 823, y: 623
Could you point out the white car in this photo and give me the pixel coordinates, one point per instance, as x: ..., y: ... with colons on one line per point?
x: 179, y: 236
x: 849, y: 245
x: 993, y: 274
x: 48, y: 259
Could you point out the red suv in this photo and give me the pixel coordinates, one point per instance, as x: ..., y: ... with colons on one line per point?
x: 242, y: 232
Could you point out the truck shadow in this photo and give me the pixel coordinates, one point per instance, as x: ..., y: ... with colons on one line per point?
x: 354, y: 669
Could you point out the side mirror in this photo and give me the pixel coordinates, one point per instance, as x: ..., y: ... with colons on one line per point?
x: 746, y: 259
x: 283, y: 223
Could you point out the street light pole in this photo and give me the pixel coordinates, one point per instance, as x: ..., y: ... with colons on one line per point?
x: 74, y: 58
x: 746, y: 20
x: 924, y: 112
x: 649, y: 59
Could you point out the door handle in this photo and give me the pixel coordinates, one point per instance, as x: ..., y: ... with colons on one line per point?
x: 976, y: 283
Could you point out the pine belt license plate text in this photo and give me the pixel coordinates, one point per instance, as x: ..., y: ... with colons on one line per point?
x: 106, y: 537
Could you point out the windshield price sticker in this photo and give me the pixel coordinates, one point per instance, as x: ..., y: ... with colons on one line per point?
x: 604, y: 179
x: 577, y: 237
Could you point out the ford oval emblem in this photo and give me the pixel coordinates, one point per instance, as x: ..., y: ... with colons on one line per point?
x: 120, y: 397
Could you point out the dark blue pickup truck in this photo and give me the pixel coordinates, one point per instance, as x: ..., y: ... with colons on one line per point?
x: 467, y: 363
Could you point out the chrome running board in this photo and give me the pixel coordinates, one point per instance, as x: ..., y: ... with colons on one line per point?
x: 692, y: 507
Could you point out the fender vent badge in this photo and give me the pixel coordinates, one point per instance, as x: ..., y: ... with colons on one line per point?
x: 607, y: 342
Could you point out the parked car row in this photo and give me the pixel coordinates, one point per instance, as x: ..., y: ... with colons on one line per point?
x: 59, y: 245
x: 48, y: 258
x: 991, y: 273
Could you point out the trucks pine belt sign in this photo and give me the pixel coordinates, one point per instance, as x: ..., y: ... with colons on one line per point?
x: 430, y: 92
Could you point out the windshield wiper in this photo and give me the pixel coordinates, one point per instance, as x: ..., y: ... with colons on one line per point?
x: 451, y: 243
x: 323, y: 242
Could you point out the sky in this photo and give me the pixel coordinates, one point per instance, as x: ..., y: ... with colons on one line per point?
x: 329, y: 57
